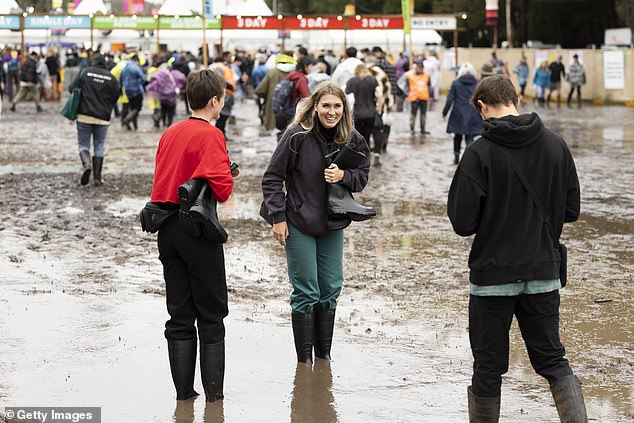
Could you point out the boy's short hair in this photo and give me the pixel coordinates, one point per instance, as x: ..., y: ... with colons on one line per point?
x: 494, y: 90
x: 202, y: 86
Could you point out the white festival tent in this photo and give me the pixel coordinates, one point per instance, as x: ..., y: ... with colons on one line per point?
x: 8, y: 7
x: 86, y: 7
x: 221, y: 7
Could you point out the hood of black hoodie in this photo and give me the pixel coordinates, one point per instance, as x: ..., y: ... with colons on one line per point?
x: 513, y: 131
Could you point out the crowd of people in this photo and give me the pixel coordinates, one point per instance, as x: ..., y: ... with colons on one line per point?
x: 333, y: 118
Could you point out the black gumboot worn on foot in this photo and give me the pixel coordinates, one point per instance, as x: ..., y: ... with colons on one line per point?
x: 303, y: 332
x: 182, y: 357
x: 212, y: 370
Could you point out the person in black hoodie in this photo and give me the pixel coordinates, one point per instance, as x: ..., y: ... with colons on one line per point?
x: 99, y: 93
x: 321, y: 126
x: 514, y: 262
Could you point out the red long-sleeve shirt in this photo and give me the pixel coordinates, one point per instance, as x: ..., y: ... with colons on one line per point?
x: 191, y: 149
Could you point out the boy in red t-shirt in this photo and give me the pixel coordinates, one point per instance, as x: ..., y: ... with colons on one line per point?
x: 194, y: 268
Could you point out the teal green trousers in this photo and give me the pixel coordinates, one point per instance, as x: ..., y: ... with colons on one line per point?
x: 315, y: 269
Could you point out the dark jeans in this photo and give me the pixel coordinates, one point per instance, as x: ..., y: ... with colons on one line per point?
x: 365, y: 127
x: 572, y: 90
x: 489, y: 323
x: 195, y: 284
x: 415, y: 106
x: 167, y: 114
x: 457, y: 141
x: 221, y: 122
x: 522, y: 89
x: 134, y: 107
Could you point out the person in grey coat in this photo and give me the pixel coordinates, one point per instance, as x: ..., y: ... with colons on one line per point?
x: 464, y: 120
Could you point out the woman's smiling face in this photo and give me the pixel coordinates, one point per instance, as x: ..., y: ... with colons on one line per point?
x: 329, y: 109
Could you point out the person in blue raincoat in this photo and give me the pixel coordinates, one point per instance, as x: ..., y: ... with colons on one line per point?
x: 464, y: 120
x: 541, y: 81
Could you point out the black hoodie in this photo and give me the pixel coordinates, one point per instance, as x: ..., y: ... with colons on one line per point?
x: 487, y: 199
x: 100, y: 90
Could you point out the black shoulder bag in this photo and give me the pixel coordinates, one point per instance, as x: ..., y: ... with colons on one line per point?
x: 563, y: 250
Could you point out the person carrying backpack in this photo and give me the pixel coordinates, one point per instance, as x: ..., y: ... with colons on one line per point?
x: 284, y: 63
x: 288, y: 95
x: 13, y: 74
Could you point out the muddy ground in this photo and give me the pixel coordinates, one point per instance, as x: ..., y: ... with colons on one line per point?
x: 82, y: 295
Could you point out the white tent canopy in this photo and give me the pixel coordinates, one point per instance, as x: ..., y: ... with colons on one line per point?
x: 221, y: 7
x: 86, y: 7
x: 9, y: 6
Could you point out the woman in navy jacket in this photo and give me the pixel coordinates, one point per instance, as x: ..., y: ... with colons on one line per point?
x: 464, y: 120
x: 322, y: 125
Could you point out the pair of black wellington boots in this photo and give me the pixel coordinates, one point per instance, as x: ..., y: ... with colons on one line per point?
x: 566, y: 393
x: 97, y: 165
x: 182, y: 357
x: 313, y: 330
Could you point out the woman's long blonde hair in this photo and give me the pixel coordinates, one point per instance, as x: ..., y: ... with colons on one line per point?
x: 306, y: 114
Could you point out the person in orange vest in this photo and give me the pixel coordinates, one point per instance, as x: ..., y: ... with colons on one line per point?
x: 224, y: 70
x: 416, y: 85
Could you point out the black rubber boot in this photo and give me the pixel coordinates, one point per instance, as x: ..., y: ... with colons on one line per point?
x: 483, y: 410
x: 97, y: 165
x: 456, y: 158
x: 182, y: 355
x: 204, y: 211
x: 341, y: 202
x: 569, y: 400
x: 212, y: 370
x: 324, y: 326
x: 84, y: 156
x: 303, y: 328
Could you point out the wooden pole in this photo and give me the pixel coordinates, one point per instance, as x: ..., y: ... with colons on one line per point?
x: 411, y: 41
x: 22, y: 44
x: 345, y: 32
x: 455, y: 42
x: 92, y: 45
x: 205, y: 58
x: 158, y: 37
x: 509, y: 29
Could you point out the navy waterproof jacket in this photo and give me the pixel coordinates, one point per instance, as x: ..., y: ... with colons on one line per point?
x: 464, y: 118
x: 298, y: 165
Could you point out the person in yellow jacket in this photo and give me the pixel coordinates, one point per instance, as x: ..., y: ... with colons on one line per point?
x: 416, y: 85
x: 123, y: 99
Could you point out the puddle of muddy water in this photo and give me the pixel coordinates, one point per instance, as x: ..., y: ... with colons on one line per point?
x: 83, y: 306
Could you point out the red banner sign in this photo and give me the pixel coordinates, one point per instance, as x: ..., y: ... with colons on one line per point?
x: 314, y: 22
x: 251, y: 22
x: 311, y: 22
x: 376, y: 22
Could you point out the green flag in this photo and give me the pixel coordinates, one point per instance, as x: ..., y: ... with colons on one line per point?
x: 405, y: 9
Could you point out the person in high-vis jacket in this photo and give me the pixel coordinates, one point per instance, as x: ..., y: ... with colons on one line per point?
x: 223, y: 70
x: 416, y: 85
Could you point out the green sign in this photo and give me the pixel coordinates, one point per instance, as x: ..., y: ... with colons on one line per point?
x: 124, y: 22
x: 187, y: 22
x: 405, y: 9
